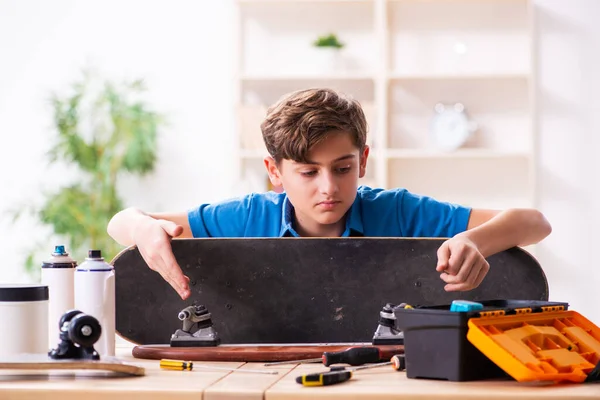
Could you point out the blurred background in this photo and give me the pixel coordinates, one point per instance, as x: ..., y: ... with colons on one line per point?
x: 157, y: 104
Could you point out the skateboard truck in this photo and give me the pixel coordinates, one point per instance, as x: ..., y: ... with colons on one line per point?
x: 386, y: 332
x: 197, y: 331
x: 78, y: 333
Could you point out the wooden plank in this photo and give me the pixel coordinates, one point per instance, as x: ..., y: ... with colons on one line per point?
x: 156, y: 384
x: 383, y: 384
x: 245, y: 385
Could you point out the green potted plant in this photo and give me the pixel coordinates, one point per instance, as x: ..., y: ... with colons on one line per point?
x: 103, y: 130
x: 327, y: 53
x: 328, y: 41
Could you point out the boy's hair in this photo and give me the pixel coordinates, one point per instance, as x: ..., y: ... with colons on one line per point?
x: 301, y: 119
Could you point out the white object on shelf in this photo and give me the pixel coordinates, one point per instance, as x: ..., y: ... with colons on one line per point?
x: 326, y: 60
x: 450, y: 126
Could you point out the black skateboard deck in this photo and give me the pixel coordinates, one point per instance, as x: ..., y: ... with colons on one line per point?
x: 301, y: 290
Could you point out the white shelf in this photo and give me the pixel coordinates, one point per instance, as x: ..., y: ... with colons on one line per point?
x: 307, y: 77
x: 279, y: 2
x: 406, y: 77
x: 449, y: 1
x: 250, y: 154
x: 401, y: 58
x: 457, y: 154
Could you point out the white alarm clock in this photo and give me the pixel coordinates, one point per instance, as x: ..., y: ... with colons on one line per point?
x: 451, y: 127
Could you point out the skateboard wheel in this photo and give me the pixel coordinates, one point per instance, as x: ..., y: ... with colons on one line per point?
x: 67, y: 317
x: 84, y: 330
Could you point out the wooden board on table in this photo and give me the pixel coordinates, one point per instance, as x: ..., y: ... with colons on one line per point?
x: 41, y: 362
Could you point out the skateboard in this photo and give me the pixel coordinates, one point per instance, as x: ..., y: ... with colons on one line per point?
x: 301, y: 290
x: 38, y: 362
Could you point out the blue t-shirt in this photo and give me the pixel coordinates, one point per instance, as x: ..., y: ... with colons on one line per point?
x: 374, y: 213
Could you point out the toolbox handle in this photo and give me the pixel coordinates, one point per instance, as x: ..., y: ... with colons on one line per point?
x: 520, y: 310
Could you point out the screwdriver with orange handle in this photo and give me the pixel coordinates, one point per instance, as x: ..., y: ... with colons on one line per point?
x: 353, y: 356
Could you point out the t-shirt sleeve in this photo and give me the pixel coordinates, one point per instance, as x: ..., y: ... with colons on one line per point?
x: 422, y: 216
x: 223, y: 219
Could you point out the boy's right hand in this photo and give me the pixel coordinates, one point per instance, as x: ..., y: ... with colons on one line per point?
x: 153, y: 239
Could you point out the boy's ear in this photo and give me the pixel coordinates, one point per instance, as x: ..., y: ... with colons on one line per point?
x: 273, y: 171
x: 363, y: 162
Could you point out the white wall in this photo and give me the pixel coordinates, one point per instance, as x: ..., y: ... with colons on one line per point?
x: 569, y: 122
x: 183, y: 50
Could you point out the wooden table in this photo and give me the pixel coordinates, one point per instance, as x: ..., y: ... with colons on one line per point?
x: 379, y: 383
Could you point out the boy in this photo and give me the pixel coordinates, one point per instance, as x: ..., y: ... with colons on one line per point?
x: 316, y: 141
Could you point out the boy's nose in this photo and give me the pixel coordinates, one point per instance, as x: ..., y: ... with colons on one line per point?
x: 328, y: 184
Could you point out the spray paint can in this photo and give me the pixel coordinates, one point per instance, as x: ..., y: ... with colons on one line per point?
x: 95, y: 295
x: 57, y: 273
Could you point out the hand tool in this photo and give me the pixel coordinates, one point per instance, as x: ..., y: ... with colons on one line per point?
x: 180, y: 365
x: 398, y: 362
x: 352, y: 356
x: 335, y: 375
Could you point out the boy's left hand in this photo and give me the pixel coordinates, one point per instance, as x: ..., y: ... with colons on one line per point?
x: 461, y: 264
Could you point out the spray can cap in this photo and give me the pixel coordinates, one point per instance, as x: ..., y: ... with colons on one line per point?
x: 95, y: 254
x: 59, y: 250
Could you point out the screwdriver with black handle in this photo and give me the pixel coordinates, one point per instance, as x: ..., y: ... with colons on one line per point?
x: 353, y: 356
x: 341, y: 374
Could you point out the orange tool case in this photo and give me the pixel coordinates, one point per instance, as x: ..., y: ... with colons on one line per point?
x: 523, y: 339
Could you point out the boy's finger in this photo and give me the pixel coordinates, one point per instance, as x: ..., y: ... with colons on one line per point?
x: 467, y: 268
x: 456, y: 287
x: 172, y: 228
x: 473, y: 280
x: 176, y: 275
x: 485, y: 267
x: 465, y: 271
x: 172, y: 280
x: 154, y: 263
x: 157, y: 263
x: 449, y: 278
x: 457, y: 259
x: 443, y: 255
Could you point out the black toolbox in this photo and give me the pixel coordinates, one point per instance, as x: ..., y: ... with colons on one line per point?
x: 523, y: 339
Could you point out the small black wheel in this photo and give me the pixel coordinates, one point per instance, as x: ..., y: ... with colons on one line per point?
x: 84, y: 330
x: 68, y: 316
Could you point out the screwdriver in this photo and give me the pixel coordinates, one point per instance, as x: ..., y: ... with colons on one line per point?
x: 352, y: 356
x: 334, y: 375
x: 179, y: 365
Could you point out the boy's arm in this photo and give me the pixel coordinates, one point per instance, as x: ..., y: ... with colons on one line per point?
x: 462, y: 258
x: 494, y: 231
x: 152, y: 234
x: 123, y: 225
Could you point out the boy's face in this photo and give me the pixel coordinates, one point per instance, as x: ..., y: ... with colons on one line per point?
x: 323, y: 189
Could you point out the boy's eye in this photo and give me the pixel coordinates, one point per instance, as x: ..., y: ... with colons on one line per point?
x: 309, y: 173
x: 344, y: 170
